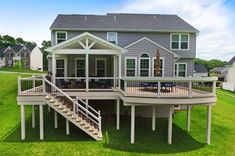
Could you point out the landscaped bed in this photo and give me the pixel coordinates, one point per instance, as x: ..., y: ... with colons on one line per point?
x: 116, y: 142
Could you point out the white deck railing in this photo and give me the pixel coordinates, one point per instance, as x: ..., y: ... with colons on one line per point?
x: 168, y: 86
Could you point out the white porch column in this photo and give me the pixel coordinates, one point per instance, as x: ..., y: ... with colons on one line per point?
x: 48, y: 108
x: 114, y: 71
x: 119, y: 69
x: 208, y: 132
x: 132, y: 124
x: 87, y: 72
x: 55, y: 119
x: 153, y: 118
x: 22, y: 113
x: 188, y: 117
x: 170, y: 125
x: 67, y: 127
x: 41, y: 122
x: 53, y: 68
x: 118, y: 114
x: 33, y: 117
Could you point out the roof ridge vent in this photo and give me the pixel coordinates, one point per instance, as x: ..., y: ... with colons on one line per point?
x: 85, y: 18
x: 115, y: 18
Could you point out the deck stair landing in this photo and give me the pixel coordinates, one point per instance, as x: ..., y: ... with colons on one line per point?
x: 85, y: 118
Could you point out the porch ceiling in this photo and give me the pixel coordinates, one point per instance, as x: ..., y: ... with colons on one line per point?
x: 86, y: 43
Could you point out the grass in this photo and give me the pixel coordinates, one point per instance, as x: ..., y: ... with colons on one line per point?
x: 21, y: 70
x: 117, y: 142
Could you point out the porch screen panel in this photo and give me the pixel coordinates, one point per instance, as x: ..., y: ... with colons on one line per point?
x: 60, y: 68
x: 80, y: 68
x: 100, y: 67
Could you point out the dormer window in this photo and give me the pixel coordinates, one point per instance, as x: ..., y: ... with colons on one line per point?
x: 61, y: 36
x: 112, y: 37
x: 179, y: 41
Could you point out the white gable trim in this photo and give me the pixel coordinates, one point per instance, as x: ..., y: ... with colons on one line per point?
x: 85, y: 34
x: 145, y: 38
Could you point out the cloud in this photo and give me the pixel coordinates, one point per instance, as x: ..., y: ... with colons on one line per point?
x: 213, y: 18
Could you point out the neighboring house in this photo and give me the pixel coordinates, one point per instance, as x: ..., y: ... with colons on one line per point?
x: 220, y: 72
x: 2, y: 60
x: 229, y: 83
x: 200, y: 71
x: 115, y: 58
x: 30, y: 56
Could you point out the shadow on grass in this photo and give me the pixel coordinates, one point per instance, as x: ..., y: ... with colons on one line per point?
x: 146, y: 140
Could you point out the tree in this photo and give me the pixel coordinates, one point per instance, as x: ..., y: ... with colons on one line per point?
x: 19, y: 41
x: 8, y: 40
x: 211, y: 63
x: 45, y: 45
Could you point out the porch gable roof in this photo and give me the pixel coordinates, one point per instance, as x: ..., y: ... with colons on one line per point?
x: 85, y: 35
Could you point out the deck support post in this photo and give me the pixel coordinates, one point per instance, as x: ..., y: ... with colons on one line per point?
x: 153, y: 118
x: 55, y: 119
x: 118, y: 114
x: 208, y: 132
x: 33, y: 116
x: 188, y: 117
x: 132, y: 124
x: 170, y: 125
x: 67, y: 127
x: 22, y: 113
x: 41, y: 122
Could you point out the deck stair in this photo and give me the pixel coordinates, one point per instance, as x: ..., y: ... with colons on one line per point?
x: 81, y: 115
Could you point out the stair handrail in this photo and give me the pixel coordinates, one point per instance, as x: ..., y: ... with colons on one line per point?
x: 79, y: 105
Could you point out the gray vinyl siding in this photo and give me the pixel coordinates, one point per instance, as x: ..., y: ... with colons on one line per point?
x: 151, y: 49
x: 126, y: 38
x: 190, y: 65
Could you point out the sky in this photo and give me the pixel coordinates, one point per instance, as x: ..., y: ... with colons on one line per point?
x: 215, y: 19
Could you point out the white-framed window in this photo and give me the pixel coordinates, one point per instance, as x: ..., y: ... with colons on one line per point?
x: 61, y: 36
x: 144, y: 65
x: 130, y: 66
x: 100, y: 69
x: 112, y: 37
x: 181, y: 69
x: 179, y: 41
x: 154, y: 74
x: 60, y: 67
x: 80, y: 67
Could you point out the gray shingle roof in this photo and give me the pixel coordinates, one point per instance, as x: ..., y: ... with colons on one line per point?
x: 218, y: 69
x: 31, y: 47
x: 199, y: 68
x: 232, y: 61
x: 125, y: 22
x: 1, y: 52
x: 17, y: 48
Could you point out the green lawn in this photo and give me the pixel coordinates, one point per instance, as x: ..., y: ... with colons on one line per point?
x: 117, y: 142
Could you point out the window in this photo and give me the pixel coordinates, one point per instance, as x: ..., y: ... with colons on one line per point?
x: 130, y: 66
x: 100, y: 67
x: 80, y: 67
x: 112, y: 37
x: 180, y: 41
x: 161, y: 67
x: 60, y: 67
x: 181, y: 69
x: 144, y: 65
x: 60, y: 37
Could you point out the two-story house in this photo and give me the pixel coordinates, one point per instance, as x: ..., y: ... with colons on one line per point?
x: 141, y: 63
x: 30, y: 56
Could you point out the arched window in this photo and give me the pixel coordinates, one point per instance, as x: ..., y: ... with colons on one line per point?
x: 144, y: 65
